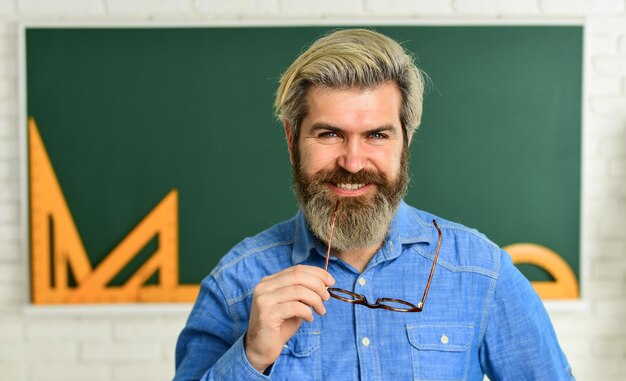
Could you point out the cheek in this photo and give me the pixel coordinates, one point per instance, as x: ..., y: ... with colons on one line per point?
x: 389, y: 163
x: 315, y: 158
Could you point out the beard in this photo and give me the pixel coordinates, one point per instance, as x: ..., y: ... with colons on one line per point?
x: 361, y: 221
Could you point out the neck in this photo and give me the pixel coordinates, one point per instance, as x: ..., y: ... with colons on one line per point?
x: 359, y: 257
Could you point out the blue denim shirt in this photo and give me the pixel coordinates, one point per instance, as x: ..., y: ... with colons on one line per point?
x: 481, y: 315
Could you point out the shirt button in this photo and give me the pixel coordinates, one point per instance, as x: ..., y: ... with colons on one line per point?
x: 444, y: 339
x: 365, y: 341
x: 362, y: 281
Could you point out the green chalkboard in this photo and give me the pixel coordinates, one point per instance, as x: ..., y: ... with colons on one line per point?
x: 127, y: 114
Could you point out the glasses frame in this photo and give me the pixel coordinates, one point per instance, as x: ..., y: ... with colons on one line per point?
x: 355, y: 298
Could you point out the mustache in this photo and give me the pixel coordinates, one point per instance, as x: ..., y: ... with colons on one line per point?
x: 342, y: 176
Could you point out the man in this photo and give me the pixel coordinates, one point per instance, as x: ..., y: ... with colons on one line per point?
x: 444, y: 302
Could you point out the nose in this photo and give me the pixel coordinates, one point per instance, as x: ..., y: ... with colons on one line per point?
x: 353, y: 157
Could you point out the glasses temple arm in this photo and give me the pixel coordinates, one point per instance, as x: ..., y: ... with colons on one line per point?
x: 432, y: 269
x: 330, y: 234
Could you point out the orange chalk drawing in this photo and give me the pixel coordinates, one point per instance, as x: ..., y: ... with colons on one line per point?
x: 56, y: 247
x: 564, y: 286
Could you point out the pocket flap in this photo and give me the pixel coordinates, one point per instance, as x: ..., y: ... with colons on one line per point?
x: 303, y: 343
x: 441, y: 337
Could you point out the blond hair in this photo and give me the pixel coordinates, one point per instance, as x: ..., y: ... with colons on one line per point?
x: 351, y: 58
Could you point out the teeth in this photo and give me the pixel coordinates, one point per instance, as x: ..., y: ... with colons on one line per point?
x: 350, y: 186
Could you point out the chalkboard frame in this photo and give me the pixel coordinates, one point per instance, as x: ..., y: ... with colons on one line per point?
x: 22, y: 95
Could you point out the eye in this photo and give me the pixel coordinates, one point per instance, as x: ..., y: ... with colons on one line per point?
x: 327, y: 134
x: 377, y: 135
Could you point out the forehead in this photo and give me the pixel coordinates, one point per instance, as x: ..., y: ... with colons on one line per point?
x: 344, y: 107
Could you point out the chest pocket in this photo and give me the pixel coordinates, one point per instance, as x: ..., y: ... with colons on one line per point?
x: 440, y: 352
x: 300, y: 357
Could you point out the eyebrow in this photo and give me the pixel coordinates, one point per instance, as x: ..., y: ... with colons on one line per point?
x: 329, y: 127
x: 324, y: 126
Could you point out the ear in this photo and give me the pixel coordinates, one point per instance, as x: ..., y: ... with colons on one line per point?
x: 289, y: 137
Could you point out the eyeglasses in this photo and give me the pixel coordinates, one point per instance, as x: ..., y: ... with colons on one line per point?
x: 390, y: 304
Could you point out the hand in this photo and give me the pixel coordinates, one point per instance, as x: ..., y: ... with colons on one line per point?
x: 279, y: 304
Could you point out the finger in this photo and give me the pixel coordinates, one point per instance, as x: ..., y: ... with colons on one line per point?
x: 294, y: 277
x: 268, y: 301
x: 300, y: 269
x: 290, y: 310
x: 297, y: 293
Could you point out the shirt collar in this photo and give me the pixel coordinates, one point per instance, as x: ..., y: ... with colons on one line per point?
x: 407, y: 227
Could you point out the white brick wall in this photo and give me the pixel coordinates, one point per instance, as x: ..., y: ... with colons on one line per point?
x: 60, y: 9
x: 321, y: 8
x: 231, y: 10
x: 135, y: 7
x: 408, y: 8
x: 135, y: 345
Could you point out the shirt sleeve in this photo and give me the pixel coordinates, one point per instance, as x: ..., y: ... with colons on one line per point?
x: 207, y: 348
x: 520, y: 342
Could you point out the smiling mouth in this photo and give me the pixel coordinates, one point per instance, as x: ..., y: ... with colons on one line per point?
x: 350, y: 187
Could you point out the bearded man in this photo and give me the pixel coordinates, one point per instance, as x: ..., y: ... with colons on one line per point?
x: 339, y: 292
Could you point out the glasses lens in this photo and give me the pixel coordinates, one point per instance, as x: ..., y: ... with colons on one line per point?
x: 345, y: 295
x: 396, y: 304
